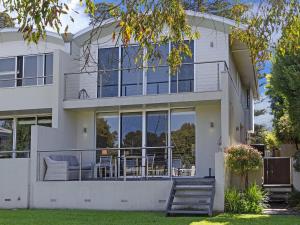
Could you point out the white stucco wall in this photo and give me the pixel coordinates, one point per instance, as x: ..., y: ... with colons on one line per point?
x: 207, y: 138
x: 14, y: 185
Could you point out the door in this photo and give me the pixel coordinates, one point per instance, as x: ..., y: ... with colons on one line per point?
x: 277, y: 170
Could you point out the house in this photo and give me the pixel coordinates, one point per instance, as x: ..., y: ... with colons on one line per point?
x: 115, y: 136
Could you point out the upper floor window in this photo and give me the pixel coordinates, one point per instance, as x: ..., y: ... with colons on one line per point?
x: 26, y: 70
x: 121, y: 74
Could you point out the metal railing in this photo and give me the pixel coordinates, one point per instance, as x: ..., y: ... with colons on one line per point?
x: 26, y: 81
x: 206, y: 77
x: 128, y: 163
x: 15, y: 154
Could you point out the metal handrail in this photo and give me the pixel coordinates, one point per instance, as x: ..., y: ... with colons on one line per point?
x: 146, y: 67
x: 24, y: 78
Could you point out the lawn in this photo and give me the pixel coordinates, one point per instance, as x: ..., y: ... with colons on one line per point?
x: 76, y: 217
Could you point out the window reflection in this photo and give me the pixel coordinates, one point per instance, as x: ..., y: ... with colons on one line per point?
x: 132, y: 79
x: 183, y: 140
x: 7, y: 72
x: 6, y: 137
x: 183, y: 80
x: 108, y: 79
x: 157, y: 136
x: 158, y: 77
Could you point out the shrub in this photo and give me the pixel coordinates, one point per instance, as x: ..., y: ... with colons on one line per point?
x: 243, y: 159
x: 252, y: 200
x: 294, y: 200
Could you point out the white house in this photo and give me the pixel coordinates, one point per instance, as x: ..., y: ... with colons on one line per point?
x: 114, y: 136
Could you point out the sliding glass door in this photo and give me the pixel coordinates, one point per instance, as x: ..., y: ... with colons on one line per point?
x: 157, y: 137
x: 183, y: 140
x: 144, y: 138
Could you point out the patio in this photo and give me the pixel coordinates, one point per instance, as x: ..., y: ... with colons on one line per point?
x: 131, y: 163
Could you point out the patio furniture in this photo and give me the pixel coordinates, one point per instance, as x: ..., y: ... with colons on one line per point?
x: 176, y: 166
x: 65, y: 167
x: 150, y: 164
x: 105, y: 163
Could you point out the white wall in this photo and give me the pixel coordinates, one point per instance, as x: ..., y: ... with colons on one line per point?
x: 14, y: 176
x: 207, y: 138
x: 103, y: 195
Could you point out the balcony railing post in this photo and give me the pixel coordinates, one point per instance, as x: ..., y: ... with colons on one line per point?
x: 218, y: 74
x: 80, y: 165
x: 124, y: 169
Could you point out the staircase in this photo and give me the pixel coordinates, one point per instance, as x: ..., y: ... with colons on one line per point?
x: 278, y: 193
x: 191, y: 196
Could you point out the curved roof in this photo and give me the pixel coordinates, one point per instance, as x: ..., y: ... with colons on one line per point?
x: 190, y: 13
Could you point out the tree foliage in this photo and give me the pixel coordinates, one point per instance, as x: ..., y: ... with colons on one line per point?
x: 284, y: 84
x: 243, y: 159
x: 6, y: 20
x: 144, y: 20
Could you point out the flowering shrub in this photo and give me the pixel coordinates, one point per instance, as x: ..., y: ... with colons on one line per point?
x: 243, y: 159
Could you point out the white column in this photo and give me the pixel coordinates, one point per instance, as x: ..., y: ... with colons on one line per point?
x: 225, y: 119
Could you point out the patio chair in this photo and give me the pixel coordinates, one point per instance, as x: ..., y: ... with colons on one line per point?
x: 65, y: 167
x: 176, y: 166
x: 105, y: 163
x: 150, y: 164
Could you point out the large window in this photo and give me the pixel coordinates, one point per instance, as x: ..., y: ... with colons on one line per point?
x: 30, y: 70
x: 7, y: 72
x: 136, y: 80
x: 132, y: 78
x: 6, y: 136
x: 22, y: 128
x: 183, y: 140
x: 108, y: 72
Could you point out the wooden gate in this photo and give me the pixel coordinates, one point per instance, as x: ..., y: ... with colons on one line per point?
x: 277, y: 170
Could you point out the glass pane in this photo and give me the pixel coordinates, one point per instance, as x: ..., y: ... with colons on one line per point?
x: 132, y: 79
x: 107, y: 132
x: 24, y: 133
x: 157, y: 136
x: 158, y: 78
x: 131, y: 129
x: 48, y: 69
x: 6, y: 137
x: 45, y: 121
x: 107, y: 126
x: 33, y: 68
x: 183, y: 140
x: 131, y: 136
x: 7, y: 72
x: 108, y: 59
x: 183, y: 81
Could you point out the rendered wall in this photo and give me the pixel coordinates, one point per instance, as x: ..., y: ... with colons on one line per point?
x: 14, y: 176
x: 207, y: 137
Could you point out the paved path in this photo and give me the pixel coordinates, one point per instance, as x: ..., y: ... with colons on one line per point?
x: 280, y: 209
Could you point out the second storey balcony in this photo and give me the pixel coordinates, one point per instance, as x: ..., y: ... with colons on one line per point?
x: 194, y: 81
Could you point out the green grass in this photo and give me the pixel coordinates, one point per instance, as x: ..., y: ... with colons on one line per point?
x: 76, y: 217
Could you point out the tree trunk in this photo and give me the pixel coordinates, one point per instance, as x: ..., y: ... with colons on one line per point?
x: 246, y: 181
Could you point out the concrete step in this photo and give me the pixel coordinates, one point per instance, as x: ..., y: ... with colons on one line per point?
x: 189, y: 212
x: 194, y: 203
x: 194, y: 187
x: 189, y: 195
